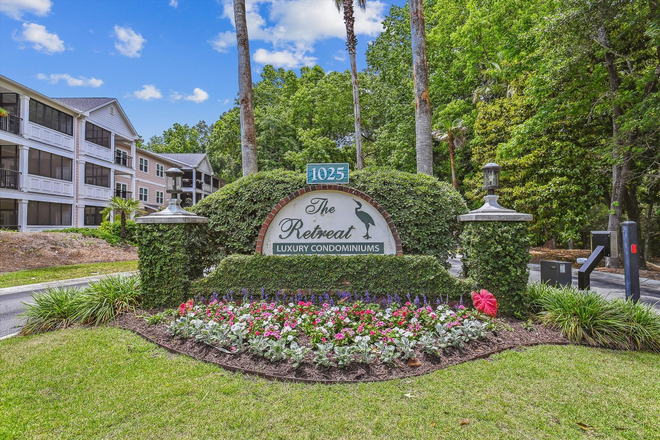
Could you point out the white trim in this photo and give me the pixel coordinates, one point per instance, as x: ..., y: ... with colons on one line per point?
x: 163, y: 184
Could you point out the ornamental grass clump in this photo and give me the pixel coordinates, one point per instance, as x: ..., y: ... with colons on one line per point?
x: 103, y: 300
x: 53, y: 309
x: 587, y: 317
x: 336, y: 335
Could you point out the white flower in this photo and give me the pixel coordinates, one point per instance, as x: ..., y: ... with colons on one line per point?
x: 290, y: 338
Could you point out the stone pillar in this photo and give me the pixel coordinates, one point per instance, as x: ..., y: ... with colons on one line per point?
x: 496, y: 253
x: 22, y: 215
x: 23, y: 161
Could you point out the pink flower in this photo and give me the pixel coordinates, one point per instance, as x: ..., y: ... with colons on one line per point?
x: 339, y: 336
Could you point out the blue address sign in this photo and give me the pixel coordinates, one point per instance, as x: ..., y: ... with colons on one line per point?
x: 327, y: 173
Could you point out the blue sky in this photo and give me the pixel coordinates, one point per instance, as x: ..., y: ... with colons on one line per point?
x: 169, y: 61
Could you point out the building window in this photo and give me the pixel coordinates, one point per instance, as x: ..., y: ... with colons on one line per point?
x: 144, y: 165
x: 160, y: 170
x: 159, y: 197
x: 93, y: 216
x: 42, y: 163
x: 97, y: 135
x: 97, y: 175
x: 207, y: 179
x: 144, y: 194
x: 216, y: 183
x: 51, y: 118
x: 51, y: 214
x: 9, y: 101
x: 9, y: 213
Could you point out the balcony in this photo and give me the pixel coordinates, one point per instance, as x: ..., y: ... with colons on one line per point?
x: 11, y: 123
x: 9, y: 179
x: 122, y: 194
x: 126, y: 161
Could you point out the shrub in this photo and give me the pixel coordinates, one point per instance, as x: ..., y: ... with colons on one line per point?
x: 92, y: 232
x: 53, y: 309
x: 103, y: 300
x: 171, y: 256
x: 588, y: 317
x: 423, y: 209
x: 376, y: 274
x: 495, y: 257
x: 114, y: 228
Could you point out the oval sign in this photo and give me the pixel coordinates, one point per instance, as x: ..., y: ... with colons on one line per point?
x: 335, y: 221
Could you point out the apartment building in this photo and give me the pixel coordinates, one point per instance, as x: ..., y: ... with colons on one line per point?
x: 62, y: 159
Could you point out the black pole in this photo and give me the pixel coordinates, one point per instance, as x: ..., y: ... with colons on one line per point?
x: 631, y: 260
x: 584, y: 272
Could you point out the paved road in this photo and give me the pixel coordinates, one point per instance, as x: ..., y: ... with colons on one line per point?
x: 610, y: 285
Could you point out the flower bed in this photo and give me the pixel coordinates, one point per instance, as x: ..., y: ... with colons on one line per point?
x: 334, y: 334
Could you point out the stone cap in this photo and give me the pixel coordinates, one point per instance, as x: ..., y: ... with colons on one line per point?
x: 491, y: 211
x: 171, y: 219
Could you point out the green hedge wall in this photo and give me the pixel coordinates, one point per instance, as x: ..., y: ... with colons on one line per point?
x: 495, y: 257
x: 377, y: 274
x: 423, y: 209
x: 171, y: 256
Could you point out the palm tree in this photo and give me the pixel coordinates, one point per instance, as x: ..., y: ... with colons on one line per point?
x: 351, y: 44
x: 124, y: 208
x: 248, y: 130
x: 423, y: 141
x: 454, y: 133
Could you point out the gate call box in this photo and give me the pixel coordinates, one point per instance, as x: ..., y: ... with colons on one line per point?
x: 608, y: 240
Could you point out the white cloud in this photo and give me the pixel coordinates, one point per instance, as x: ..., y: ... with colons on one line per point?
x: 292, y: 27
x: 174, y: 3
x: 198, y: 96
x: 41, y: 39
x: 340, y: 56
x: 283, y: 58
x: 129, y: 43
x: 16, y: 8
x: 81, y: 81
x: 223, y: 41
x: 147, y: 93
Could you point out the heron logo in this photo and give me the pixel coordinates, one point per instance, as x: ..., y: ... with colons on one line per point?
x: 328, y: 222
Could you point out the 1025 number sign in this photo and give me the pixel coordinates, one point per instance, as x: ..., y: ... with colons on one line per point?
x: 327, y: 173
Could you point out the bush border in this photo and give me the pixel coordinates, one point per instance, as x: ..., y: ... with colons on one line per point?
x: 324, y: 187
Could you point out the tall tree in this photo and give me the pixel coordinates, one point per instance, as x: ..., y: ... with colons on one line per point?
x: 351, y: 44
x: 454, y: 134
x: 248, y: 130
x: 124, y: 208
x: 423, y: 141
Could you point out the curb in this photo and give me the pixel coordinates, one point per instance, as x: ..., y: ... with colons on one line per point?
x: 9, y: 336
x: 61, y: 283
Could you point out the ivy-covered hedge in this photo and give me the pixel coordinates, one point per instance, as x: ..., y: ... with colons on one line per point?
x: 423, y: 209
x: 495, y: 257
x: 171, y: 256
x: 377, y: 274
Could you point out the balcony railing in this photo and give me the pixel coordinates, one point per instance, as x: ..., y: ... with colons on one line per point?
x: 126, y: 161
x: 10, y: 123
x: 126, y: 195
x: 9, y: 179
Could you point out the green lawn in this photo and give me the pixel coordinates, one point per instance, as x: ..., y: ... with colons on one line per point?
x: 33, y: 276
x: 109, y: 383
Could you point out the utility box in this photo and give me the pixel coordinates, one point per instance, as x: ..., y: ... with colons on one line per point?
x: 606, y: 239
x: 556, y: 273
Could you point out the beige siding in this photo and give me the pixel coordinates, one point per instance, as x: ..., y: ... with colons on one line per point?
x: 110, y: 117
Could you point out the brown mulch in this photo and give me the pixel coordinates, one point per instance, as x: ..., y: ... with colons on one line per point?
x: 32, y: 250
x: 572, y: 255
x: 308, y: 372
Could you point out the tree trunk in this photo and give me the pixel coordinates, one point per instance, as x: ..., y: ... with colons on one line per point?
x: 351, y: 45
x: 248, y: 130
x: 452, y: 154
x: 123, y: 227
x: 424, y: 145
x: 647, y: 236
x: 622, y: 156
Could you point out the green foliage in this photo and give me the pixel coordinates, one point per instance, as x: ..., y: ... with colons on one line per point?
x: 53, y: 309
x: 114, y: 228
x: 423, y: 209
x: 102, y: 233
x: 171, y: 256
x: 103, y: 300
x: 377, y: 274
x: 495, y: 257
x: 588, y: 317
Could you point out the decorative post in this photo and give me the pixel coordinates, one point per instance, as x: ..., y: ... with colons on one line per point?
x: 496, y: 248
x: 171, y: 247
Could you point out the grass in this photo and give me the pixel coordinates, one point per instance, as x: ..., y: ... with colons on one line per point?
x: 109, y: 383
x: 58, y: 273
x: 588, y: 317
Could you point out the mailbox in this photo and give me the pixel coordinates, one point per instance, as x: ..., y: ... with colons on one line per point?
x: 556, y: 273
x: 606, y: 239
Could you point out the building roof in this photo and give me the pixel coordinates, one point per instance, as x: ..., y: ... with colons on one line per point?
x: 186, y: 158
x: 84, y: 104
